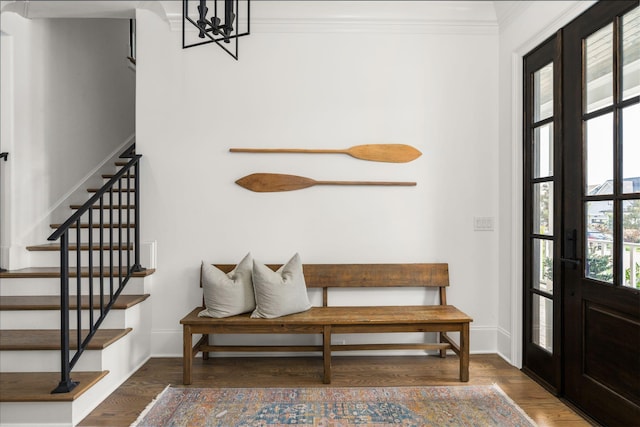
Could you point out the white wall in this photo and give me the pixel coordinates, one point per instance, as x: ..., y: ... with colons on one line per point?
x: 525, y: 26
x: 336, y: 82
x: 73, y: 104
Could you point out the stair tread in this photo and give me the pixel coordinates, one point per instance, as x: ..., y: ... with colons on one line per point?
x: 49, y: 339
x: 53, y: 272
x: 97, y: 206
x: 115, y: 190
x: 111, y: 175
x: 41, y: 302
x: 96, y: 225
x: 37, y: 386
x: 55, y: 247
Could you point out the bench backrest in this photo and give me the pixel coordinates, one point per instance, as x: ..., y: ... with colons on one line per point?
x: 371, y: 275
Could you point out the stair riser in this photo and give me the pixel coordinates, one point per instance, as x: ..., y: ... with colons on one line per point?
x: 27, y: 414
x: 45, y: 258
x: 51, y: 286
x: 49, y: 361
x: 50, y: 319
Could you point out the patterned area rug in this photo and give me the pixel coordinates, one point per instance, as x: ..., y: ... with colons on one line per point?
x: 333, y: 407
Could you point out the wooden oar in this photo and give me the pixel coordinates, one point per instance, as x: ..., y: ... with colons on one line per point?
x: 271, y: 182
x: 393, y: 153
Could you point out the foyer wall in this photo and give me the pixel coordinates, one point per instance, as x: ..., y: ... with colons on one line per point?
x: 356, y: 79
x: 72, y: 105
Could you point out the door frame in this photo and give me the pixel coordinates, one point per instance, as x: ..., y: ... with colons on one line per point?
x: 516, y: 230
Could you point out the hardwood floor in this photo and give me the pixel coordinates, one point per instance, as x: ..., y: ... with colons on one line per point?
x: 126, y: 403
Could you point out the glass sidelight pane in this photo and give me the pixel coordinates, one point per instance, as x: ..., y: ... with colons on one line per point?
x: 542, y: 265
x: 599, y: 69
x: 631, y: 54
x: 543, y: 151
x: 543, y: 322
x: 631, y: 149
x: 599, y: 238
x: 543, y: 93
x: 631, y: 243
x: 543, y: 208
x: 599, y: 155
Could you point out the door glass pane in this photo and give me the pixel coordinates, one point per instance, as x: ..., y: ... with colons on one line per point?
x: 631, y: 243
x: 599, y: 153
x: 543, y: 322
x: 631, y: 149
x: 542, y: 264
x: 599, y: 69
x: 543, y: 208
x: 543, y: 93
x: 599, y: 238
x: 631, y: 54
x: 543, y: 151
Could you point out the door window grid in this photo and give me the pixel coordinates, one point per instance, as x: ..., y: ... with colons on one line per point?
x: 541, y: 190
x: 612, y: 147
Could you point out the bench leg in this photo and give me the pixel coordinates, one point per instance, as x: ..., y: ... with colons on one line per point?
x: 443, y: 352
x: 464, y: 353
x: 326, y: 354
x: 205, y: 354
x: 187, y: 356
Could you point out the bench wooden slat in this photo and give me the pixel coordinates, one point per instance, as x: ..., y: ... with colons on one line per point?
x: 369, y: 275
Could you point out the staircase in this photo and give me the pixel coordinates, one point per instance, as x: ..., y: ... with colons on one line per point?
x: 31, y: 318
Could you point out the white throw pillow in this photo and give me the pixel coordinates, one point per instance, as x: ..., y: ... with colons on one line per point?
x: 281, y: 292
x: 228, y: 294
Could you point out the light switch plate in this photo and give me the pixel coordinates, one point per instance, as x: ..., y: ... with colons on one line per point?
x: 483, y: 223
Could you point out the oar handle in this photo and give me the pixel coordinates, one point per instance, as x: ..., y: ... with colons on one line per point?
x: 284, y: 150
x: 387, y: 183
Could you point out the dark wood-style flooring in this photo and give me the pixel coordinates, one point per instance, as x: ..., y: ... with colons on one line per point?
x: 126, y: 403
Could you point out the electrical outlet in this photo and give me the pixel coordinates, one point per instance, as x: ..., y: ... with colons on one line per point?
x: 483, y: 223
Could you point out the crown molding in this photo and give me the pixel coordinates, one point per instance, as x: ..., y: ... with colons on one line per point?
x: 508, y: 11
x: 351, y: 25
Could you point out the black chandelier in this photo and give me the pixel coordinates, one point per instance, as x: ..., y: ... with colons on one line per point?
x: 218, y: 22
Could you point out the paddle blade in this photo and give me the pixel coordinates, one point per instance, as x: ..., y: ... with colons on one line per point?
x: 272, y: 182
x: 392, y: 153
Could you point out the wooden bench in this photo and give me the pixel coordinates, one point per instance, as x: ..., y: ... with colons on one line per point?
x: 325, y: 320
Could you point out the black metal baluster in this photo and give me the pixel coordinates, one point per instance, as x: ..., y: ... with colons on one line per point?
x: 79, y: 283
x: 120, y: 233
x: 90, y: 262
x: 111, y: 242
x: 66, y: 384
x: 101, y: 272
x: 128, y: 220
x: 136, y: 220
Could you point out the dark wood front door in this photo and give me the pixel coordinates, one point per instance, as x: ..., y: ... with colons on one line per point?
x: 582, y: 213
x: 601, y: 212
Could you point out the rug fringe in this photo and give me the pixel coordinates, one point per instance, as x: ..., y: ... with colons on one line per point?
x: 148, y: 407
x: 513, y: 403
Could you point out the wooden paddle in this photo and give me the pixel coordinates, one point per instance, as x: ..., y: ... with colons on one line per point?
x: 393, y: 153
x: 271, y: 182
